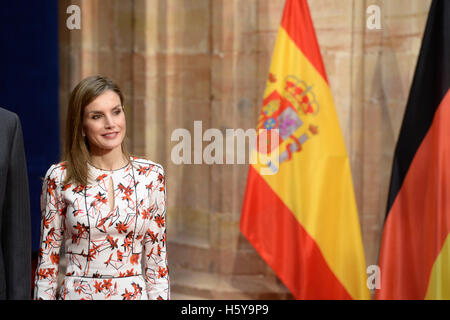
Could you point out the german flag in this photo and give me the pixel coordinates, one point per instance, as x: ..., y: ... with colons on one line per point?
x: 415, y: 250
x: 299, y: 210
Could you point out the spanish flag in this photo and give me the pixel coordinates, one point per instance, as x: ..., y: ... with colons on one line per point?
x: 299, y: 210
x: 415, y: 250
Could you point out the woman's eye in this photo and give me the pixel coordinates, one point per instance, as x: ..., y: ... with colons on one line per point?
x: 118, y: 111
x: 96, y: 116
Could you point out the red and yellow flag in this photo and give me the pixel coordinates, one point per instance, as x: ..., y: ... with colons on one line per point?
x: 299, y: 210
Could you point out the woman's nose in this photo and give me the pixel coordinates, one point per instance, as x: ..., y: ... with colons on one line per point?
x: 109, y: 122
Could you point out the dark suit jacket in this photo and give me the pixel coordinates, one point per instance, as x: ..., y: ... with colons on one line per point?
x: 15, y: 222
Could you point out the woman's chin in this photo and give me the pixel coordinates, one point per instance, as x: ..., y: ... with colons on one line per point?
x: 106, y: 148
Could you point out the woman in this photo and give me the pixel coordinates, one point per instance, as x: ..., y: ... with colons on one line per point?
x: 106, y: 207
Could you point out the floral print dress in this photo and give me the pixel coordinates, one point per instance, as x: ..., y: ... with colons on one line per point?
x: 113, y: 250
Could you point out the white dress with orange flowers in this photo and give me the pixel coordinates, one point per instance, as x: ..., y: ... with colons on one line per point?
x: 113, y: 251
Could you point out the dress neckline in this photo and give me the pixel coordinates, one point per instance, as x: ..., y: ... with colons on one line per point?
x: 115, y: 170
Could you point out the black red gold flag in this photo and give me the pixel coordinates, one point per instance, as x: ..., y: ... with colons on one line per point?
x: 415, y: 250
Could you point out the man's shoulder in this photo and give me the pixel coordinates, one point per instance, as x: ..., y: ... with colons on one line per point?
x: 8, y: 119
x: 8, y: 116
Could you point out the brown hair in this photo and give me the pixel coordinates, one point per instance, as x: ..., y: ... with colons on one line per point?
x: 76, y: 147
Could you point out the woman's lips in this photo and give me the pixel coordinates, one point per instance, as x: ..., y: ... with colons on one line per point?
x: 110, y: 135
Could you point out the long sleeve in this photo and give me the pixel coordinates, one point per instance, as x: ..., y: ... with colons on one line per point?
x: 52, y: 234
x: 16, y: 225
x: 156, y: 268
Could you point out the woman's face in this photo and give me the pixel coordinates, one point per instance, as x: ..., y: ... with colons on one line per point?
x: 104, y: 123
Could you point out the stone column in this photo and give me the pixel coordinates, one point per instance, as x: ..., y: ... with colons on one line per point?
x: 388, y: 64
x: 103, y: 45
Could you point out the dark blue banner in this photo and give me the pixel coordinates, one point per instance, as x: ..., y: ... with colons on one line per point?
x: 29, y: 86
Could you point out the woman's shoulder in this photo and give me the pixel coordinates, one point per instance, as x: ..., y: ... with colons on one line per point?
x: 143, y: 162
x: 56, y: 171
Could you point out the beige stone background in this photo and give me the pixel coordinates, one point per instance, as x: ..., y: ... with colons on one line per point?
x: 183, y: 60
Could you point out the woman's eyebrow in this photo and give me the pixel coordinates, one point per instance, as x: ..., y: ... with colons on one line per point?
x: 97, y: 111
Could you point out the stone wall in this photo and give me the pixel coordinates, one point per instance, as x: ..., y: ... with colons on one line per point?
x: 178, y: 61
